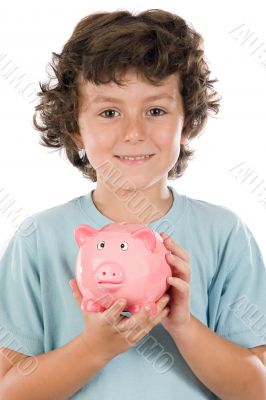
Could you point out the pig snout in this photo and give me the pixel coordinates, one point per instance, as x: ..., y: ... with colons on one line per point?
x: 109, y: 273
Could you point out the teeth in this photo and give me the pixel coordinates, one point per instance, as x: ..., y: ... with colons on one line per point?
x: 134, y: 158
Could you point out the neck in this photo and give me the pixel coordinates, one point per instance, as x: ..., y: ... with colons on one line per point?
x: 140, y: 206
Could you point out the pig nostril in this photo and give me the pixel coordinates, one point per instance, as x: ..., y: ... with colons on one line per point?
x: 104, y: 273
x: 113, y: 274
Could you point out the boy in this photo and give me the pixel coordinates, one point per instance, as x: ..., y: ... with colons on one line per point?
x: 206, y: 346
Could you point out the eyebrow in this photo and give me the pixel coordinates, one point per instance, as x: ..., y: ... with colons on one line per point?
x: 105, y: 99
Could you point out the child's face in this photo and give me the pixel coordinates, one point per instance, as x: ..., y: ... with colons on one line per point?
x: 132, y: 127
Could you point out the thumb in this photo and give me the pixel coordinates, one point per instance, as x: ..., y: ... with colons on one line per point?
x: 75, y: 291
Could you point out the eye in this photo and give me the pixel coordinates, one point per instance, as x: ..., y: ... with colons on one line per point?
x: 114, y: 111
x: 109, y: 110
x: 124, y: 246
x: 100, y: 245
x: 159, y: 110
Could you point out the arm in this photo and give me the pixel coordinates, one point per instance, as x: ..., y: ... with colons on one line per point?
x: 227, y: 369
x: 58, y: 374
x: 62, y: 372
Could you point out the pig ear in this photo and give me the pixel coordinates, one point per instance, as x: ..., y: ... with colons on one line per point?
x: 82, y: 231
x: 147, y: 236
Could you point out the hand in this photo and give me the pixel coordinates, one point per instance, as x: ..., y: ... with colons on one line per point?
x: 112, y: 333
x: 179, y: 315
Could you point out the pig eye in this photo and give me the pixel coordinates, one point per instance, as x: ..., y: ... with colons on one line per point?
x: 124, y: 245
x: 100, y: 245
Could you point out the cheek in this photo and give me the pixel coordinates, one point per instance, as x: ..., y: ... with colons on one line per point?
x: 98, y: 142
x: 99, y: 149
x: 168, y: 133
x: 94, y: 136
x: 171, y: 150
x: 169, y: 142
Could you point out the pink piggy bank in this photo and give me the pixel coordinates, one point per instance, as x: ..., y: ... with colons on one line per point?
x: 120, y: 260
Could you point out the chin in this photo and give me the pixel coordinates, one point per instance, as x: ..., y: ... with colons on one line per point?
x: 132, y: 184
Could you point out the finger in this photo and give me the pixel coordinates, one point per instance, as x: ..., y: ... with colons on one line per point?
x: 175, y: 248
x: 181, y: 268
x: 142, y: 319
x: 161, y: 306
x: 154, y: 320
x: 144, y: 315
x: 127, y: 323
x: 181, y: 287
x: 136, y: 320
x: 161, y: 303
x: 113, y: 312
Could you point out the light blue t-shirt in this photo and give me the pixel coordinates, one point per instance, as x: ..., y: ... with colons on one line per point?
x: 38, y: 312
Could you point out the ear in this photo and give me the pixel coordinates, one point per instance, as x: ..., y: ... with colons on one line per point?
x: 147, y: 235
x: 82, y: 231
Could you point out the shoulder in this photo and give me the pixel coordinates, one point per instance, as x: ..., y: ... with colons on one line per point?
x: 222, y: 227
x: 214, y: 216
x: 49, y: 220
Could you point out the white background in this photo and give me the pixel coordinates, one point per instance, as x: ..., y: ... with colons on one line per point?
x: 35, y: 178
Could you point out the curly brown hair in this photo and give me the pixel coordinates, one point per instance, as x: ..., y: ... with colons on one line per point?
x: 104, y: 46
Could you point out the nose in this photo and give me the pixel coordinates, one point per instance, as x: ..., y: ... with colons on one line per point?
x: 134, y: 132
x: 110, y: 273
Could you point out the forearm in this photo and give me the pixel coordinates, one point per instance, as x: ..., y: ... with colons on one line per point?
x: 227, y: 369
x: 58, y: 374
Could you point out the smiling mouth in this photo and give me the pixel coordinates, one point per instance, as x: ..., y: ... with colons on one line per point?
x: 136, y: 161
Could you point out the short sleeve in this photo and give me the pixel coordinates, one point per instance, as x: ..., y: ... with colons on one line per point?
x: 237, y: 294
x: 21, y: 320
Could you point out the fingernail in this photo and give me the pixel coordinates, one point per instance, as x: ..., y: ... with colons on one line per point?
x: 71, y: 283
x: 121, y: 302
x: 164, y: 235
x: 147, y: 307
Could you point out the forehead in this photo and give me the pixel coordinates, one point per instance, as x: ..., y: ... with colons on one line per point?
x: 140, y: 88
